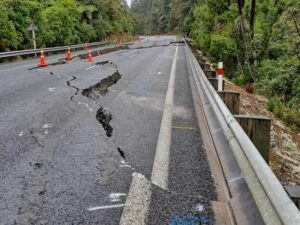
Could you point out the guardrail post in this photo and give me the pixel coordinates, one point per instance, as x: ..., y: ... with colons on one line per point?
x: 231, y: 100
x: 294, y: 193
x: 258, y: 130
x: 214, y: 83
x: 210, y: 73
x: 207, y: 66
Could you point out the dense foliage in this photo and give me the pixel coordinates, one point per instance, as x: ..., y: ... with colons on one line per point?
x: 258, y: 41
x: 61, y: 22
x: 161, y: 16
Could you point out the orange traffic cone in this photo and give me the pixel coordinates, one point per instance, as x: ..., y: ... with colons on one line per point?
x: 85, y: 47
x: 42, y: 61
x: 68, y: 56
x: 90, y: 58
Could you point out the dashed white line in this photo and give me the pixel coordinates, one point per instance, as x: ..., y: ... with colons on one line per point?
x: 86, y: 105
x: 116, y: 197
x: 47, y: 125
x: 125, y: 164
x: 106, y: 207
x: 91, y: 67
x: 51, y: 89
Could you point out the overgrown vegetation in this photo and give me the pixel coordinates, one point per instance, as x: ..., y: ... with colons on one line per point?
x: 258, y: 41
x: 61, y: 22
x: 290, y: 116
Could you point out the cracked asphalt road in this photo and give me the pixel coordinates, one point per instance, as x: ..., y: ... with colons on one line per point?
x: 59, y: 166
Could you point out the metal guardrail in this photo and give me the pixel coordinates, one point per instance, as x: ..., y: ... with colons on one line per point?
x: 53, y: 49
x: 271, y: 199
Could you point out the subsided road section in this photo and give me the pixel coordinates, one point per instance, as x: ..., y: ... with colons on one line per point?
x: 59, y: 166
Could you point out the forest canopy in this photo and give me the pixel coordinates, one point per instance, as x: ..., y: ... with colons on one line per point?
x: 61, y: 22
x: 258, y: 41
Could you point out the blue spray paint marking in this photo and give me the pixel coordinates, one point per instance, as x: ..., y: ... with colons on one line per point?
x: 190, y: 220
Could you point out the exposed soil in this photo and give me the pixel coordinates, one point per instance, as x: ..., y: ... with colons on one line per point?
x: 122, y: 153
x: 102, y: 63
x: 104, y: 117
x: 101, y: 88
x: 285, y: 144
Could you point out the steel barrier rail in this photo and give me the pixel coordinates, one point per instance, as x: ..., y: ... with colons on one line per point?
x: 53, y: 49
x: 272, y: 201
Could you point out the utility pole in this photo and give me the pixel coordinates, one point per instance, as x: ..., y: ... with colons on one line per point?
x: 33, y: 28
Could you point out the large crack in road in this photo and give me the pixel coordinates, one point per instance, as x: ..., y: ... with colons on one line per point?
x: 76, y: 88
x: 101, y: 88
x: 104, y: 117
x: 96, y: 92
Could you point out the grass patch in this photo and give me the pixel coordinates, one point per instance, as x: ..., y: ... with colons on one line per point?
x: 290, y: 116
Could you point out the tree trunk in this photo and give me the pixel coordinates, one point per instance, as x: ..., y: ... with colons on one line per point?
x: 253, y: 57
x: 252, y: 18
x: 240, y: 7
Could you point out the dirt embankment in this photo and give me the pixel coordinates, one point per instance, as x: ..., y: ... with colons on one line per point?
x: 285, y: 144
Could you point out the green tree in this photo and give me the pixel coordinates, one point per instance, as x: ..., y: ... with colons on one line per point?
x: 8, y: 36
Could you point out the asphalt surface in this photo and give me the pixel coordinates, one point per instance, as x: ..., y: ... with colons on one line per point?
x: 60, y: 165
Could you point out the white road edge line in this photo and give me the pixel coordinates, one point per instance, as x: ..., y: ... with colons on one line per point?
x: 137, y: 202
x: 139, y: 196
x: 160, y: 170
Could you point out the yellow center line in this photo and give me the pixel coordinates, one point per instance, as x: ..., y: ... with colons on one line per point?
x: 184, y: 128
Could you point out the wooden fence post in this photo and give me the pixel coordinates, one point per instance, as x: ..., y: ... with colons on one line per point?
x: 210, y: 73
x: 231, y: 100
x: 258, y: 130
x: 214, y: 83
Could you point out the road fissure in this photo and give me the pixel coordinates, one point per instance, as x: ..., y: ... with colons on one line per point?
x: 76, y: 88
x: 101, y: 88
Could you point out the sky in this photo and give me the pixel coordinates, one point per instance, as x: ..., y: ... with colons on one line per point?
x: 128, y: 2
